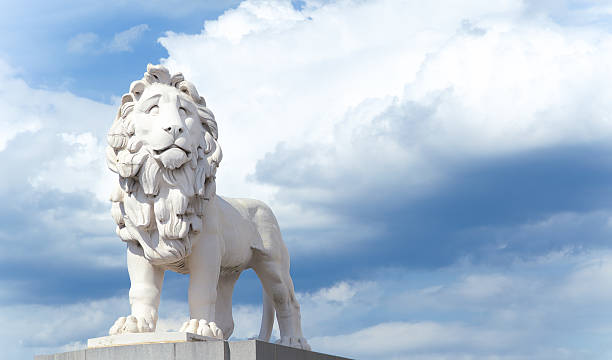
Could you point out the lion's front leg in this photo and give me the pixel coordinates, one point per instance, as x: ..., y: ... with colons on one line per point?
x: 145, y: 290
x: 204, y: 266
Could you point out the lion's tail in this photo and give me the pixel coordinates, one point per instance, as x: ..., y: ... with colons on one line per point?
x: 267, y: 318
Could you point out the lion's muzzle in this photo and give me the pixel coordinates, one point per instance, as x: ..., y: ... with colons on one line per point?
x: 172, y: 157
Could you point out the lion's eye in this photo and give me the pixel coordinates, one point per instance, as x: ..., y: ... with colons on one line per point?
x: 153, y: 110
x: 183, y: 111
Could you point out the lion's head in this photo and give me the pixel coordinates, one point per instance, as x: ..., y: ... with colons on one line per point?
x: 163, y: 144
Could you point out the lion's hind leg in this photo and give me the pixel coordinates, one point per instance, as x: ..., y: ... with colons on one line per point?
x: 267, y: 318
x: 271, y: 263
x: 278, y: 285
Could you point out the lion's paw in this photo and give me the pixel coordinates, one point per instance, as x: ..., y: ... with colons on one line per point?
x: 131, y: 324
x: 202, y: 327
x: 296, y: 342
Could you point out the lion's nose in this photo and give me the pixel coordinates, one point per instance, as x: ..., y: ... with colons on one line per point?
x: 174, y: 130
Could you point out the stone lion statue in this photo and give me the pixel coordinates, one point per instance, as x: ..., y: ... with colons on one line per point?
x: 163, y: 145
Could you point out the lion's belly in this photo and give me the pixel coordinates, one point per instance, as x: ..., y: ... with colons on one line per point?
x: 237, y: 254
x: 239, y: 235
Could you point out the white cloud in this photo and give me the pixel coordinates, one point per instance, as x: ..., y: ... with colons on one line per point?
x: 82, y: 168
x: 52, y: 143
x: 83, y: 42
x: 122, y: 41
x: 580, y: 286
x: 344, y: 100
x: 45, y: 329
x: 520, y: 312
x: 253, y: 17
x: 341, y: 293
x: 300, y: 79
x: 19, y: 116
x: 64, y: 148
x: 12, y: 130
x: 391, y: 339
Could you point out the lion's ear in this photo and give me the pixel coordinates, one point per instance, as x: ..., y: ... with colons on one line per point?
x: 126, y: 98
x: 136, y: 88
x: 188, y: 88
x: 202, y: 101
x: 157, y: 73
x: 127, y: 105
x: 176, y: 79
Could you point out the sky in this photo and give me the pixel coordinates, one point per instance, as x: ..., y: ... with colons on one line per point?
x: 441, y: 170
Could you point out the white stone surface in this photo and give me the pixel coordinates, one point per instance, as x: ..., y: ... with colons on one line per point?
x: 145, y: 338
x: 163, y: 145
x: 198, y: 350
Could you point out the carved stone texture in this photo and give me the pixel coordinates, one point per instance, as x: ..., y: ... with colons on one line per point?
x: 163, y: 146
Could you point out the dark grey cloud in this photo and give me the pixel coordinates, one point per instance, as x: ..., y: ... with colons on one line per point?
x: 492, y: 211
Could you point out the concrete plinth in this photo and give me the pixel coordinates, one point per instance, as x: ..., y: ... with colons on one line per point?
x: 193, y: 350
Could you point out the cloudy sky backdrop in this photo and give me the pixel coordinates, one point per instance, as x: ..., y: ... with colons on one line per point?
x: 441, y: 170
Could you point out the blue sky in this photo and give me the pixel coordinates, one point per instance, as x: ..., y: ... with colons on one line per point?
x: 441, y: 171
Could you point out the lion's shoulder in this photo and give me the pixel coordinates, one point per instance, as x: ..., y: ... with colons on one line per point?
x: 255, y: 212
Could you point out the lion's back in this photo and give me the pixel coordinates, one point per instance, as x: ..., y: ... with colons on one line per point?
x: 250, y: 209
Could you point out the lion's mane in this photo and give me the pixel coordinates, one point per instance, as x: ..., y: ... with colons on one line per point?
x: 160, y: 202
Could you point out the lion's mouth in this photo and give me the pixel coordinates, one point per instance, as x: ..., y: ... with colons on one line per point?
x: 172, y: 157
x: 173, y: 146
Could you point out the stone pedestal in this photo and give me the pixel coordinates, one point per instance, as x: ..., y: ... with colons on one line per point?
x: 146, y: 338
x: 190, y: 348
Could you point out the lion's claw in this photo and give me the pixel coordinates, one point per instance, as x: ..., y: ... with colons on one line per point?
x: 296, y: 342
x: 202, y: 327
x: 130, y: 324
